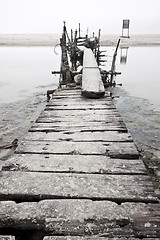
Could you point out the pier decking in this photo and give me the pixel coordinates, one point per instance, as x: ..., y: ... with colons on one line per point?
x: 77, y: 175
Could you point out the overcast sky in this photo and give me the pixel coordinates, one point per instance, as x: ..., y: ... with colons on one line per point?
x: 46, y: 16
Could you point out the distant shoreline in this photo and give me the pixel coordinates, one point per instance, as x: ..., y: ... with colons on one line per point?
x: 53, y: 39
x: 133, y: 40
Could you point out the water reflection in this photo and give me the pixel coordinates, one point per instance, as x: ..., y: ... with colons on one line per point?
x: 123, y: 55
x: 140, y: 75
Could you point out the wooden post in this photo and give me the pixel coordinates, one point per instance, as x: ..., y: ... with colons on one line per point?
x: 65, y: 69
x: 114, y: 63
x: 79, y: 30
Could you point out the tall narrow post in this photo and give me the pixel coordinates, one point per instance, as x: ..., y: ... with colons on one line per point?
x: 79, y: 30
x: 114, y: 63
x: 65, y: 69
x: 71, y: 35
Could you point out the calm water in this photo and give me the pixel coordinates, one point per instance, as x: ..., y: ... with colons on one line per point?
x: 25, y: 70
x: 140, y: 74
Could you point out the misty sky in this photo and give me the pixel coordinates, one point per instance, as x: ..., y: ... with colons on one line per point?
x: 46, y: 16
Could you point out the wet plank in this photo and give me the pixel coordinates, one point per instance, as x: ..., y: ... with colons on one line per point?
x: 83, y: 218
x: 32, y: 185
x: 114, y: 150
x: 74, y: 164
x: 105, y: 136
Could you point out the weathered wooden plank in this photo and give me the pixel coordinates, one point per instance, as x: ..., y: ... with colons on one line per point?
x: 72, y: 102
x: 73, y: 128
x: 82, y: 105
x: 78, y: 136
x: 70, y: 92
x: 78, y: 98
x: 66, y: 96
x: 114, y: 150
x: 67, y: 92
x: 81, y: 100
x: 73, y: 163
x: 97, y: 237
x: 84, y: 112
x: 112, y: 126
x: 62, y: 123
x: 7, y: 237
x: 85, y: 120
x: 79, y: 112
x: 82, y: 122
x: 77, y: 121
x: 79, y: 107
x: 18, y: 185
x: 83, y: 218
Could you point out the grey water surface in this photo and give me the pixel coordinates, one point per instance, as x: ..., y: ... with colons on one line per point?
x: 26, y: 70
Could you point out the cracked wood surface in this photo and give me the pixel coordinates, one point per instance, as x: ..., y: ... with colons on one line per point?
x: 80, y: 159
x: 7, y: 237
x: 32, y: 185
x: 74, y: 163
x: 80, y: 136
x: 114, y: 150
x: 83, y: 217
x: 94, y: 238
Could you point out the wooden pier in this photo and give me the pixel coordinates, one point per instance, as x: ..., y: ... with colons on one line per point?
x: 77, y: 175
